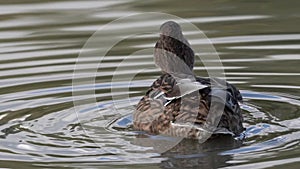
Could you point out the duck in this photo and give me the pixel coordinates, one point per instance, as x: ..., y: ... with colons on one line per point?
x: 181, y: 104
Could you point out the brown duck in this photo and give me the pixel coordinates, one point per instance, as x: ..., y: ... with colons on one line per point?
x: 181, y: 104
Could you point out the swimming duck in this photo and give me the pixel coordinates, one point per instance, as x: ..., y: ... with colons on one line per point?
x: 179, y: 103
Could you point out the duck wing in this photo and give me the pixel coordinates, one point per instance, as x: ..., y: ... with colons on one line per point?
x: 233, y: 91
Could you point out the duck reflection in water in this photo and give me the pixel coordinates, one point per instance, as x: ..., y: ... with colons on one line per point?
x: 189, y: 154
x: 180, y: 103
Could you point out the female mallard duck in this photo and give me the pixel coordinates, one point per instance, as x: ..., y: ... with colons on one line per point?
x: 180, y: 104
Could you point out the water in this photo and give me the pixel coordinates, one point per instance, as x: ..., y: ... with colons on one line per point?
x: 258, y: 43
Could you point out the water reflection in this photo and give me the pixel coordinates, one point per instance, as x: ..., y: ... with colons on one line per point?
x: 190, y: 154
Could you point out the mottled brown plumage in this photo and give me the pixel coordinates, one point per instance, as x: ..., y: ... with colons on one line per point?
x: 166, y: 110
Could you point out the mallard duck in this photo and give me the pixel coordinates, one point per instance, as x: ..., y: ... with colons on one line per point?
x: 179, y: 103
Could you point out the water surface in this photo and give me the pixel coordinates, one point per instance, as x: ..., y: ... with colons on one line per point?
x: 258, y: 43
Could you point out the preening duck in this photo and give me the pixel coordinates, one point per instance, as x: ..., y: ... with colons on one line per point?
x: 182, y: 104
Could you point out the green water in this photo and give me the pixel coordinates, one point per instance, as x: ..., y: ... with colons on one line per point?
x: 258, y: 43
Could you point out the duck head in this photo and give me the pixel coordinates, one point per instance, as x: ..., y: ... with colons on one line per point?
x: 173, y: 53
x: 171, y: 29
